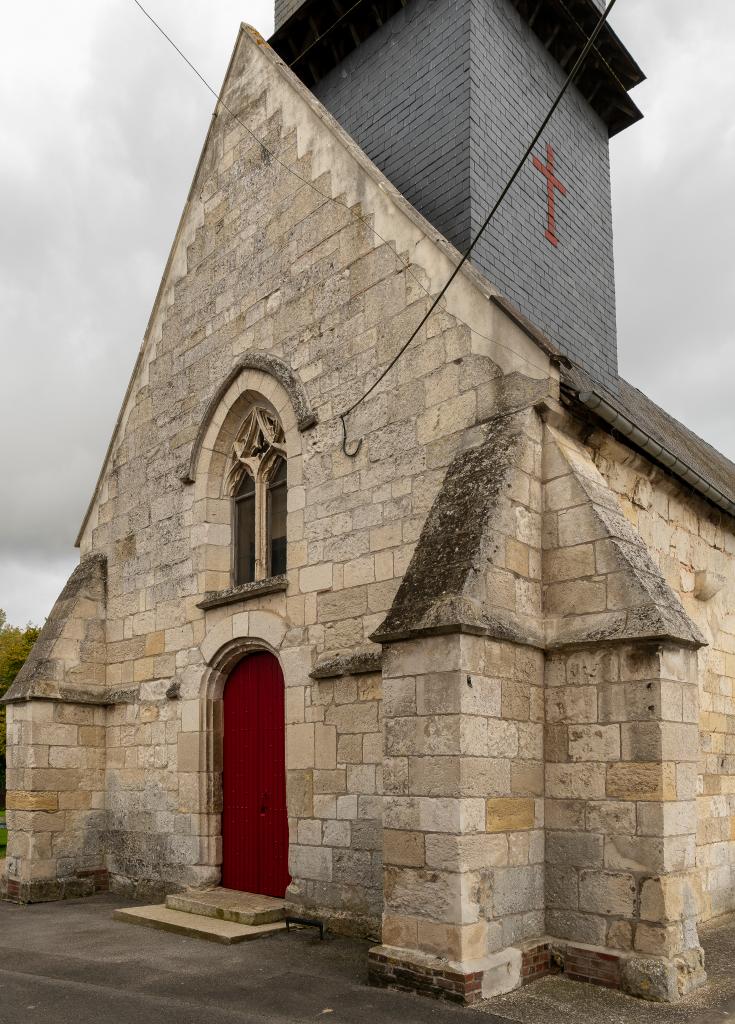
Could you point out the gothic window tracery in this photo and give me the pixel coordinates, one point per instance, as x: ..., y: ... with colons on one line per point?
x: 257, y: 483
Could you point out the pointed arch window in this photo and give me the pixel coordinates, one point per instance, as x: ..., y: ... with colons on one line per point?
x: 258, y: 485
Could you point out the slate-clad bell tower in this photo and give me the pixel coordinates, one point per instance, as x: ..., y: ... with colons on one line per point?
x: 444, y: 96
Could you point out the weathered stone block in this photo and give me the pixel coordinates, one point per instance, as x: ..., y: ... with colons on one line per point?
x: 191, y: 752
x: 311, y: 862
x: 634, y: 853
x: 330, y: 781
x: 671, y: 899
x: 66, y: 757
x: 435, y: 776
x: 611, y: 817
x: 337, y: 833
x: 653, y: 781
x: 575, y: 781
x: 325, y: 746
x: 594, y: 743
x: 518, y: 890
x: 400, y: 932
x: 467, y: 852
x: 569, y: 848
x: 508, y: 814
x: 456, y: 942
x: 561, y: 887
x: 579, y: 927
x: 300, y: 793
x: 667, y: 819
x: 576, y: 597
x: 31, y: 801
x: 300, y: 746
x: 399, y: 697
x: 406, y: 889
x: 659, y: 939
x: 604, y: 893
x: 565, y: 814
x: 571, y: 704
x: 569, y: 563
x: 527, y: 778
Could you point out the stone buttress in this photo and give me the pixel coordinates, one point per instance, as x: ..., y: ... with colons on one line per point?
x: 56, y: 716
x: 492, y: 693
x: 540, y: 717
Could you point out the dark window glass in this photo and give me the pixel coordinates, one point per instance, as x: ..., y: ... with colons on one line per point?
x: 245, y: 531
x: 277, y: 496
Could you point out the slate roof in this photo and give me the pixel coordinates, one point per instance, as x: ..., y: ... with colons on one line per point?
x: 702, y: 458
x: 321, y: 33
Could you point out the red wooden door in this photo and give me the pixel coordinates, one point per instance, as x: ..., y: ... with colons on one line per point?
x: 254, y: 818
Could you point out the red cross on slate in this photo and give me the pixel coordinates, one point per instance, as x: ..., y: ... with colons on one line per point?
x: 552, y: 184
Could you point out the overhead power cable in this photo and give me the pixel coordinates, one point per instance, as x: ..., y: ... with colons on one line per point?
x: 405, y: 264
x: 598, y: 51
x: 269, y: 152
x: 468, y: 252
x: 332, y: 27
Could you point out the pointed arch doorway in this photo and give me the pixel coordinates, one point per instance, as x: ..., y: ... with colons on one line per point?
x: 254, y: 816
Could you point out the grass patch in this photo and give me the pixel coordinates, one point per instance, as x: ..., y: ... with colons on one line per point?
x: 3, y: 841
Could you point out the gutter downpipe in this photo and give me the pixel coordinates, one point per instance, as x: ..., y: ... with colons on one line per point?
x: 658, y: 453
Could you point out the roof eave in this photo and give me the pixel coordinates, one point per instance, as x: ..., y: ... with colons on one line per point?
x: 318, y: 36
x: 658, y: 453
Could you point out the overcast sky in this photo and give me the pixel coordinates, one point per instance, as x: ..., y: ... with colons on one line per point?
x: 101, y: 129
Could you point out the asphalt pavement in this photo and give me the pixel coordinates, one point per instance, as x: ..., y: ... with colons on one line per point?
x: 70, y: 963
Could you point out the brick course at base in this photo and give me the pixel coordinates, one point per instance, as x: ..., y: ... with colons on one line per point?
x: 590, y: 965
x: 83, y: 883
x: 439, y: 978
x: 413, y: 971
x: 537, y: 962
x: 578, y: 963
x: 100, y: 878
x: 507, y: 740
x: 436, y: 977
x: 429, y: 976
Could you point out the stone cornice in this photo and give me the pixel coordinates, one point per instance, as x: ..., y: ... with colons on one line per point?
x: 245, y: 592
x: 332, y: 666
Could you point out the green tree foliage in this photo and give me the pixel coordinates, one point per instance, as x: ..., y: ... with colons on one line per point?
x: 15, y: 646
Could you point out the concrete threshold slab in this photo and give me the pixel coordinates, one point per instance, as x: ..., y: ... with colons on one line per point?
x: 194, y: 925
x: 229, y: 905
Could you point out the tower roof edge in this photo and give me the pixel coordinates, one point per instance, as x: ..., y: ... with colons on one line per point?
x: 315, y: 38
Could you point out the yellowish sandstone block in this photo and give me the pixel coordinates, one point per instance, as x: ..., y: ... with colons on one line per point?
x: 641, y: 781
x: 507, y: 814
x: 399, y: 931
x: 403, y: 848
x: 155, y: 643
x: 456, y: 942
x: 19, y: 801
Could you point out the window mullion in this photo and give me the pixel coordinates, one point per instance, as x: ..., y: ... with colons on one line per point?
x: 261, y: 525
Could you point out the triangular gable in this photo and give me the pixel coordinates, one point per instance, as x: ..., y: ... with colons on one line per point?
x: 256, y: 71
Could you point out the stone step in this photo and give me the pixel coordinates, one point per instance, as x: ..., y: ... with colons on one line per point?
x: 195, y: 926
x: 229, y: 905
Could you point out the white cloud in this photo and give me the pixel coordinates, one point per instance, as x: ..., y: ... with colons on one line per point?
x: 101, y: 130
x: 102, y: 127
x: 672, y: 175
x: 29, y: 587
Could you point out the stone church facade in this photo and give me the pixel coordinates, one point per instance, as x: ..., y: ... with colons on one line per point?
x: 503, y: 630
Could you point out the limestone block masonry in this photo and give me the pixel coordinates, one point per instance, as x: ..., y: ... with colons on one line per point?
x: 508, y: 686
